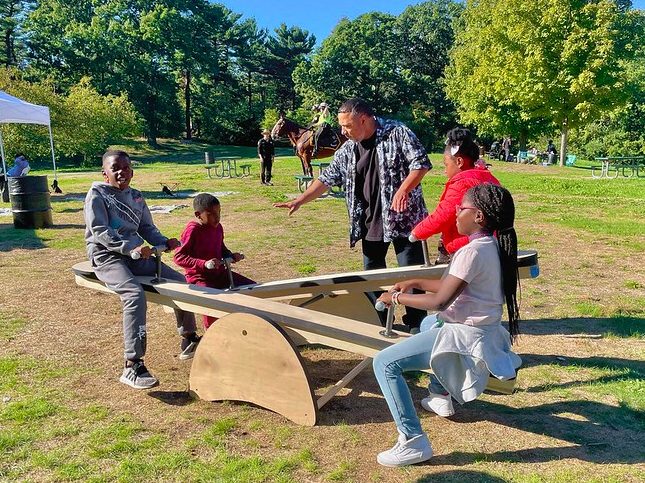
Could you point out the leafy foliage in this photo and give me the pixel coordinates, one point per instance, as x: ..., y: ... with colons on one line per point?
x: 395, y: 63
x: 527, y: 68
x: 84, y: 123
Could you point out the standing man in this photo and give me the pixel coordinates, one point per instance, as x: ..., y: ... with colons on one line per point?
x: 506, y: 147
x: 551, y: 152
x: 266, y: 153
x: 380, y: 167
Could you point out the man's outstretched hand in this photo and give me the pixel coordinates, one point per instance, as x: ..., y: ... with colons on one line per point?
x: 292, y: 205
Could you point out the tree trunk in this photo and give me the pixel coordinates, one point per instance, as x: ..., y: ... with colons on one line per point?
x: 250, y: 94
x: 189, y: 130
x: 152, y: 131
x: 563, y: 141
x: 523, y: 139
x: 8, y: 37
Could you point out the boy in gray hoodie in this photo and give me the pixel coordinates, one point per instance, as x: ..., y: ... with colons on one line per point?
x: 118, y: 223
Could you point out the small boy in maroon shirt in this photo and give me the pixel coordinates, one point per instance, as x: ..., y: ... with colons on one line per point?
x: 202, y: 251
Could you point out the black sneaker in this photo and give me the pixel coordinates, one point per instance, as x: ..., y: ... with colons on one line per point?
x: 138, y: 377
x: 189, y: 346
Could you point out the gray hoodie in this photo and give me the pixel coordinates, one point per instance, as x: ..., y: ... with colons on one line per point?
x: 117, y: 222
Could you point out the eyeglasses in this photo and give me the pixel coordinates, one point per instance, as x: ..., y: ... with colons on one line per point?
x: 460, y: 208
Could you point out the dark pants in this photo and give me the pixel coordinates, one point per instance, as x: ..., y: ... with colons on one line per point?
x: 267, y: 163
x: 407, y: 253
x: 119, y: 275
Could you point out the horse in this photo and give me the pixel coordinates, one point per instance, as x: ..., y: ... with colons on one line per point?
x: 302, y: 140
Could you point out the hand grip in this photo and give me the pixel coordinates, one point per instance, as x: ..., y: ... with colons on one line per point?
x: 156, y: 250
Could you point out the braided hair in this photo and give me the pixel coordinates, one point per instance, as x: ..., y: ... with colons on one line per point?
x: 460, y: 142
x: 496, y: 203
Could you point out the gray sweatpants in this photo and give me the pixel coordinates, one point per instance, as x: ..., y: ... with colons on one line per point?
x: 118, y: 274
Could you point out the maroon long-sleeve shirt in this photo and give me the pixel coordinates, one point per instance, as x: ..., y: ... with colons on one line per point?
x: 200, y: 243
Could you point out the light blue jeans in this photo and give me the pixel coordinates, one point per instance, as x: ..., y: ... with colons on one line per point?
x: 413, y: 354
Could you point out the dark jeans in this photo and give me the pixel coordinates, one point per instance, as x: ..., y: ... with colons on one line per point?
x: 267, y: 163
x: 407, y: 253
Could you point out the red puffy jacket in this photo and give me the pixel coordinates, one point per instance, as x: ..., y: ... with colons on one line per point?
x: 444, y: 219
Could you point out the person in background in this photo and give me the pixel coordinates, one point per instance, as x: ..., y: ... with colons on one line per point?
x: 20, y: 166
x: 506, y: 147
x: 266, y: 153
x: 551, y: 152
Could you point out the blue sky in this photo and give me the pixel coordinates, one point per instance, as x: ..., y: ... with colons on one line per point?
x: 319, y: 16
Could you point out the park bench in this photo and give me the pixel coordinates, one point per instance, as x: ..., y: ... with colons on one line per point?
x: 251, y: 354
x: 226, y: 167
x: 303, y: 181
x: 612, y: 166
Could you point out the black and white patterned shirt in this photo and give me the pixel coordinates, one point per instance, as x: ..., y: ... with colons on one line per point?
x: 398, y: 152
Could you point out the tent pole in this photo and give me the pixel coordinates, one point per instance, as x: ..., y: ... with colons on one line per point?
x: 4, y: 162
x: 51, y: 143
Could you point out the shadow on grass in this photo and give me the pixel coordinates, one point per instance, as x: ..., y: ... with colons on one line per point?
x: 599, y: 433
x: 172, y: 398
x: 344, y: 407
x: 618, y: 326
x: 12, y: 238
x: 633, y: 370
x: 459, y: 476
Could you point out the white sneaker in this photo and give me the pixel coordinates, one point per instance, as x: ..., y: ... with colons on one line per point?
x: 438, y: 404
x: 407, y: 451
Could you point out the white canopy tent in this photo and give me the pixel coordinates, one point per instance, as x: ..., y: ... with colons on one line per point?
x: 14, y: 110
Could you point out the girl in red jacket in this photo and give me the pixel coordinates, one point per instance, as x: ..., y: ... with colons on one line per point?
x: 459, y: 160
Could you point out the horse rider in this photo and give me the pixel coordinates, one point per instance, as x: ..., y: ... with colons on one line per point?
x: 320, y: 123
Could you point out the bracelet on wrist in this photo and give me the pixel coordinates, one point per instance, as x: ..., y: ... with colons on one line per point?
x: 395, y: 298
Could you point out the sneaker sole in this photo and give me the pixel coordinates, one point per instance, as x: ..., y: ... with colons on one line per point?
x: 130, y: 383
x: 408, y: 463
x: 186, y: 357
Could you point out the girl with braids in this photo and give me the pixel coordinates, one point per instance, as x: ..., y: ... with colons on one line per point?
x: 463, y: 172
x: 465, y: 341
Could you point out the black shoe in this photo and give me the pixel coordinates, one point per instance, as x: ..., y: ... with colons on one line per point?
x: 189, y: 346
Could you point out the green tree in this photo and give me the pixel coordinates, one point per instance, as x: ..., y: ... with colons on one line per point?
x: 11, y: 14
x: 359, y: 58
x: 395, y: 63
x: 84, y: 123
x: 532, y: 67
x: 286, y: 48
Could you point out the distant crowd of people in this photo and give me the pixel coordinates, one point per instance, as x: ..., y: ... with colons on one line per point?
x: 501, y: 150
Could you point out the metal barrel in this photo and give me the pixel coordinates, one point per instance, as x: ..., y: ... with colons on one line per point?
x: 30, y: 202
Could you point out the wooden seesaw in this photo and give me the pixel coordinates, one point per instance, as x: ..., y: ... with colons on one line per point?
x: 251, y: 353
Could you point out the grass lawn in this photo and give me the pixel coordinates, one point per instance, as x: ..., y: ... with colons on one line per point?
x: 578, y: 414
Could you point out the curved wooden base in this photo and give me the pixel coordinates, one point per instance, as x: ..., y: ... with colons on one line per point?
x: 243, y: 357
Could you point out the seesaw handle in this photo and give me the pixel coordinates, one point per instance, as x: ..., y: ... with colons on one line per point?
x: 424, y: 246
x: 380, y: 306
x: 156, y: 250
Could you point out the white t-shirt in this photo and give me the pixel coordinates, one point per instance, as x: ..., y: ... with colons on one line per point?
x: 481, y: 301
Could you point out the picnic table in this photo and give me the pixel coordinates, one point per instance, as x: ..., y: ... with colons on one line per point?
x: 321, y: 166
x: 226, y: 167
x: 628, y: 166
